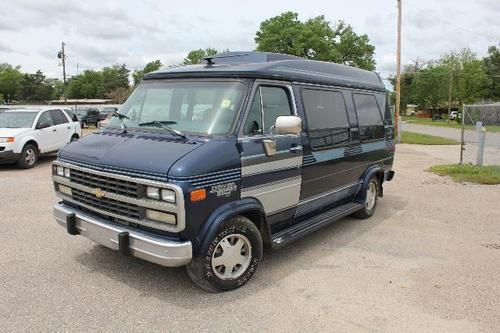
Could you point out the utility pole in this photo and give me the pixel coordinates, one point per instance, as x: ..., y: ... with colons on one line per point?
x: 61, y: 55
x: 450, y: 87
x: 398, y: 73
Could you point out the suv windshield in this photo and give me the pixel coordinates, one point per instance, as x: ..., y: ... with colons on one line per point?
x: 17, y: 119
x: 198, y: 107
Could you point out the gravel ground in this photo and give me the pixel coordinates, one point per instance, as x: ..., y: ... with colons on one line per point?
x: 428, y: 261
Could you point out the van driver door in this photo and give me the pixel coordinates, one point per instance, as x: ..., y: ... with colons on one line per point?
x: 271, y: 163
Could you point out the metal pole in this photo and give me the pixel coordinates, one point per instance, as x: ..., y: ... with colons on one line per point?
x: 450, y: 88
x: 398, y: 71
x: 481, y: 135
x: 462, y: 142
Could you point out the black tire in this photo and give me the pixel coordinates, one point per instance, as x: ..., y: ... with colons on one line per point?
x: 29, y: 157
x: 74, y: 138
x: 83, y: 124
x: 369, y: 206
x: 201, y: 269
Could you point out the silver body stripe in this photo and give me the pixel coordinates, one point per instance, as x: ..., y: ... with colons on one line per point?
x: 286, y: 163
x: 276, y: 196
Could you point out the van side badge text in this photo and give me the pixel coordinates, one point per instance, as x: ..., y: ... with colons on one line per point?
x: 223, y: 190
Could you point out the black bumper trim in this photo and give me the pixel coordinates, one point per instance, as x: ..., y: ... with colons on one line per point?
x: 124, y: 243
x: 9, y: 156
x: 71, y: 224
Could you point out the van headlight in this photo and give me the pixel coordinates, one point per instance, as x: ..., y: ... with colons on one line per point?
x: 63, y: 172
x: 160, y: 194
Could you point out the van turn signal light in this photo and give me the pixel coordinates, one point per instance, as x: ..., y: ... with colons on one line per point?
x: 198, y: 195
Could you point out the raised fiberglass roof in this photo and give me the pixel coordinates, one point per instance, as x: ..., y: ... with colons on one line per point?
x: 274, y: 66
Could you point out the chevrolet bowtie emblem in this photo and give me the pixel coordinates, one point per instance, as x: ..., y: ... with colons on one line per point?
x: 99, y: 193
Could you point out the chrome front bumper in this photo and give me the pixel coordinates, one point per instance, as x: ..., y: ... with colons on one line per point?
x: 128, y: 241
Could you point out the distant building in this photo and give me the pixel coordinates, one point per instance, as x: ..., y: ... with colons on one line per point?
x: 89, y: 101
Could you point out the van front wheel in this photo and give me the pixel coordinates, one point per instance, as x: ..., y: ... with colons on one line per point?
x: 370, y: 202
x: 231, y: 258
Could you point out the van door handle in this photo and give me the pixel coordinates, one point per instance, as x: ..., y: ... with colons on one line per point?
x: 295, y: 148
x: 54, y: 130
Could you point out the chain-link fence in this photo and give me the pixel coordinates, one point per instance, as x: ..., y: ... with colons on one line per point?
x: 480, y: 135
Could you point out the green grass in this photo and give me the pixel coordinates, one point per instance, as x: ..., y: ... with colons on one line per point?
x: 425, y: 139
x: 444, y: 123
x: 489, y: 175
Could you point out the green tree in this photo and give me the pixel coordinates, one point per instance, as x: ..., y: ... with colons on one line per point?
x: 408, y: 84
x: 115, y: 77
x: 150, y: 67
x: 492, y: 69
x: 315, y: 39
x: 35, y: 87
x: 470, y: 81
x: 10, y: 81
x: 431, y: 85
x: 89, y: 84
x: 196, y: 56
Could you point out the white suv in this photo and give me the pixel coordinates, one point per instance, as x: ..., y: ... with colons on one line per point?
x: 26, y: 134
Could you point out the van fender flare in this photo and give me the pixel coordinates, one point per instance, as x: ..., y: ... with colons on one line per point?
x: 372, y: 171
x: 209, y: 229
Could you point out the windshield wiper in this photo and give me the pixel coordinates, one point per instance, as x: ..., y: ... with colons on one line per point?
x: 120, y: 117
x: 163, y: 124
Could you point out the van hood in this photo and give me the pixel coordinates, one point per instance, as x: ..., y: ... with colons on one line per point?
x: 132, y: 152
x: 5, y: 132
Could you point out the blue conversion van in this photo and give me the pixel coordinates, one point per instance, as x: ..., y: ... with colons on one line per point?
x: 204, y: 164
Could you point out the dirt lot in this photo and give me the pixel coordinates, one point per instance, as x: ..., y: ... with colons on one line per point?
x: 428, y: 261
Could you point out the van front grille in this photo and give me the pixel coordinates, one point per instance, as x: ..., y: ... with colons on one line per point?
x: 108, y: 205
x: 107, y: 184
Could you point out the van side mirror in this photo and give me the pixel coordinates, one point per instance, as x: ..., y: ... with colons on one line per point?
x: 288, y: 125
x: 43, y: 125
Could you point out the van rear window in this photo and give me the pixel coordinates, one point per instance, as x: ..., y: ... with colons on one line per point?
x: 367, y: 109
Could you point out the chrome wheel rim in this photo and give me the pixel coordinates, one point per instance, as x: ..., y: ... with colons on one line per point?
x: 30, y: 156
x: 371, y: 195
x: 231, y: 256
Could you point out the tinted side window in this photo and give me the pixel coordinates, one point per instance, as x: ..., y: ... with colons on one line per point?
x: 46, y: 118
x: 270, y: 101
x: 324, y: 109
x: 326, y: 118
x: 275, y: 103
x: 367, y: 109
x: 59, y: 117
x: 71, y: 114
x: 370, y: 121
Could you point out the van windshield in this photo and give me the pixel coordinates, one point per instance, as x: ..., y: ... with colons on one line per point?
x: 205, y: 107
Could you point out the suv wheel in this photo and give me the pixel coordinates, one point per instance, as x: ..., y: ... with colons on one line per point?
x: 29, y: 157
x: 370, y: 203
x: 231, y: 258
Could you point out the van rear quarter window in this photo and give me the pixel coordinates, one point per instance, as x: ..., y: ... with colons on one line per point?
x: 326, y: 118
x: 371, y: 125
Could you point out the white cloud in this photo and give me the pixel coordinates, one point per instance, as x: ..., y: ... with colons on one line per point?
x: 100, y: 33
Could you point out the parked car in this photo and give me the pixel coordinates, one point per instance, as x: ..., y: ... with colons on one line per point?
x: 106, y: 115
x: 27, y: 134
x: 88, y: 116
x: 456, y: 115
x: 204, y: 164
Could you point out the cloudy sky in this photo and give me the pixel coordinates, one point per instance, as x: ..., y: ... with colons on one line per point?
x: 100, y: 33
